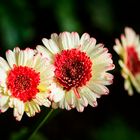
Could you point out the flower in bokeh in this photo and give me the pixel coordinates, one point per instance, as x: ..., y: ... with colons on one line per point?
x: 80, y: 75
x: 24, y: 79
x: 129, y: 51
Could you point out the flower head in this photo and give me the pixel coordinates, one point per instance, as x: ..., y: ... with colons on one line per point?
x: 24, y: 79
x: 81, y: 66
x: 129, y: 51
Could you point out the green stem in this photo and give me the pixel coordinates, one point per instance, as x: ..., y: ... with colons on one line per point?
x: 41, y: 124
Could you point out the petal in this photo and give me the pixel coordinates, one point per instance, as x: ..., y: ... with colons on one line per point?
x: 84, y: 37
x: 127, y: 86
x: 83, y: 101
x: 41, y: 99
x: 11, y: 58
x: 79, y: 107
x: 4, y: 103
x: 44, y: 52
x: 25, y: 57
x: 30, y: 109
x: 75, y: 40
x: 4, y: 65
x: 57, y: 93
x: 51, y: 46
x: 98, y: 88
x: 89, y: 46
x: 118, y: 48
x: 3, y: 76
x: 71, y: 98
x: 18, y: 109
x: 130, y: 35
x: 65, y: 38
x: 90, y: 96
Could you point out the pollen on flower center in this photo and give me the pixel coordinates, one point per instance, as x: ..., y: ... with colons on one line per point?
x: 22, y: 81
x: 72, y: 68
x: 132, y: 61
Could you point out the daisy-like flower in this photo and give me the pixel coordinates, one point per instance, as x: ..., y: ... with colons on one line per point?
x: 24, y: 79
x: 129, y: 51
x: 80, y: 75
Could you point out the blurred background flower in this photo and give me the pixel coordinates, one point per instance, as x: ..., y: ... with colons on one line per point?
x: 24, y: 23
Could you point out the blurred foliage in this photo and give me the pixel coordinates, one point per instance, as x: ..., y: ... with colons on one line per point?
x: 15, y: 23
x: 115, y: 129
x: 22, y: 21
x: 23, y: 132
x: 102, y: 16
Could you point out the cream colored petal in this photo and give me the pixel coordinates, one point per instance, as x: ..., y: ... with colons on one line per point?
x: 21, y: 58
x: 90, y: 96
x: 18, y: 107
x: 135, y: 81
x: 16, y: 115
x: 56, y: 93
x: 41, y: 99
x: 35, y: 107
x: 83, y: 101
x: 124, y: 41
x: 89, y: 46
x: 4, y: 65
x: 44, y: 52
x: 16, y: 50
x: 64, y: 104
x: 103, y: 79
x: 10, y: 55
x: 37, y: 62
x: 31, y: 111
x: 71, y: 98
x: 128, y: 87
x: 55, y: 38
x: 61, y: 103
x: 4, y: 100
x: 67, y: 106
x: 130, y: 35
x: 3, y: 76
x: 75, y: 40
x: 4, y: 108
x: 100, y: 69
x: 98, y: 88
x: 51, y: 46
x: 98, y: 50
x: 118, y: 48
x: 124, y: 68
x: 26, y: 56
x: 79, y: 107
x: 84, y: 37
x: 66, y: 41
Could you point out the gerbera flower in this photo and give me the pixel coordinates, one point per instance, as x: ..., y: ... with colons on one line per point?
x: 81, y: 66
x: 129, y: 51
x: 24, y: 79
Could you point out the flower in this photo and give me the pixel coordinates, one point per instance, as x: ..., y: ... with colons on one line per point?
x: 81, y: 66
x: 24, y: 79
x: 129, y: 51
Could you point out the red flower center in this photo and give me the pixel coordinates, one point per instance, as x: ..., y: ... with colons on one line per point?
x: 22, y: 81
x: 72, y: 68
x: 133, y: 62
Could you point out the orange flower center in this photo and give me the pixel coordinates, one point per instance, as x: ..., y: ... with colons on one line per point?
x: 72, y: 68
x: 132, y: 61
x: 22, y: 81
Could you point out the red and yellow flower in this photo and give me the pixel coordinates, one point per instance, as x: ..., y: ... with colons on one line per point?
x: 80, y: 74
x: 24, y: 79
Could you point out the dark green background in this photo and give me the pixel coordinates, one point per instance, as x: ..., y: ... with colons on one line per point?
x: 24, y: 23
